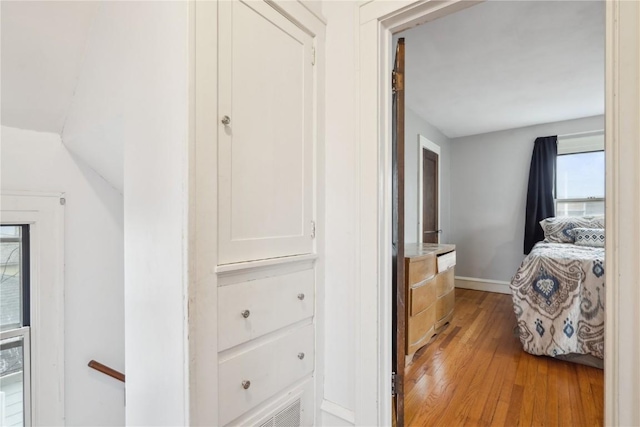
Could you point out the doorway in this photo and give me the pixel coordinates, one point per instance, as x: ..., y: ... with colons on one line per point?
x: 379, y: 20
x: 485, y: 186
x: 429, y: 191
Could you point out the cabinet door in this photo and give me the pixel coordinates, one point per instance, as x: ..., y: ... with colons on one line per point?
x: 266, y: 177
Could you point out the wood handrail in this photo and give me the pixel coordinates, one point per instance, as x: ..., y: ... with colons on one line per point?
x: 106, y: 370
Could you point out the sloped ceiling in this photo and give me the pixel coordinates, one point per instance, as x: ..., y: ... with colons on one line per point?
x: 507, y: 64
x: 43, y: 44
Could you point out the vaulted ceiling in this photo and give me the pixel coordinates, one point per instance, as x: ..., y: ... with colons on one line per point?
x: 43, y: 44
x: 507, y: 64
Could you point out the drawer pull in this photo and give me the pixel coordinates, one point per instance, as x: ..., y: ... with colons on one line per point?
x: 246, y: 313
x: 246, y: 384
x: 300, y: 297
x: 300, y: 356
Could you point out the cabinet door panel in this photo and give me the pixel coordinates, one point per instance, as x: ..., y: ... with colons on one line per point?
x: 266, y: 149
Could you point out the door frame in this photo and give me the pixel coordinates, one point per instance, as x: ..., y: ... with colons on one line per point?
x: 379, y: 20
x: 426, y: 144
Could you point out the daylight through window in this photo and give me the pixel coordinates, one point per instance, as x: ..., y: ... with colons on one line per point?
x: 580, y: 172
x: 14, y: 325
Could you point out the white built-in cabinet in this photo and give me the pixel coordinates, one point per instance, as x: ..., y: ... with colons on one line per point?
x: 266, y: 143
x: 258, y: 213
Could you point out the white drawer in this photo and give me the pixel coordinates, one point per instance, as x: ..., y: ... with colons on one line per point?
x: 269, y: 304
x: 446, y: 261
x: 269, y: 369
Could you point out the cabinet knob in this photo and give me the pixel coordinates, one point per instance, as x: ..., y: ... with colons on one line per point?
x: 246, y: 313
x: 246, y: 384
x: 301, y: 356
x: 300, y: 297
x: 226, y: 120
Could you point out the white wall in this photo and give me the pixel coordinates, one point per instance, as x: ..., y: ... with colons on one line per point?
x: 94, y: 293
x: 94, y: 125
x: 132, y: 101
x: 340, y: 333
x: 414, y: 126
x: 489, y: 177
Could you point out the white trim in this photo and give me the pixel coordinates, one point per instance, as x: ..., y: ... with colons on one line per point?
x: 203, y: 218
x: 45, y: 215
x: 25, y: 333
x: 338, y: 411
x: 486, y: 285
x: 622, y: 207
x: 583, y: 142
x: 426, y: 144
x: 249, y: 265
x: 380, y: 19
x: 581, y: 134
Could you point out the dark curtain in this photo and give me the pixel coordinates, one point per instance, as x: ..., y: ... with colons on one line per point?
x: 540, y: 200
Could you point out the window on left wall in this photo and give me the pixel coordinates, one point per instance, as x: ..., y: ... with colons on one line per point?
x: 14, y: 325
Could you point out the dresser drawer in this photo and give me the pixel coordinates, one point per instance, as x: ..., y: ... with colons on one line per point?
x: 251, y: 309
x: 419, y: 270
x: 421, y: 329
x: 445, y: 282
x: 444, y: 305
x: 446, y: 261
x: 422, y: 296
x: 250, y: 378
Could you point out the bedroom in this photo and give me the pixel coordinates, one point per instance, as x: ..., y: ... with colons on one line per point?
x: 504, y: 74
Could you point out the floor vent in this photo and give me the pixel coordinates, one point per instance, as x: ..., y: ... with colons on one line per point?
x: 287, y: 417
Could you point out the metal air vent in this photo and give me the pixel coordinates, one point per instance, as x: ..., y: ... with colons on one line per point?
x: 286, y: 417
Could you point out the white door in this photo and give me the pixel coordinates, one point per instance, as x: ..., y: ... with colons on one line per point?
x: 265, y: 134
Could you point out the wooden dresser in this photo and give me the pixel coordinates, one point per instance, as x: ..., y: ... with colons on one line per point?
x: 429, y: 286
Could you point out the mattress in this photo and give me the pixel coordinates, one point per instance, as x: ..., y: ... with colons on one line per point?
x: 558, y: 298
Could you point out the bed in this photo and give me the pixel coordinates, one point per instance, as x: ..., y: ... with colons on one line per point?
x: 558, y: 297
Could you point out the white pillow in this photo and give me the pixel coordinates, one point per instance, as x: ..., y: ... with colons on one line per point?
x: 557, y: 229
x: 589, y: 237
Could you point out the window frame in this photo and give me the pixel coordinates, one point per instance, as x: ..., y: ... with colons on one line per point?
x: 25, y: 271
x: 25, y: 333
x: 44, y: 213
x: 23, y: 330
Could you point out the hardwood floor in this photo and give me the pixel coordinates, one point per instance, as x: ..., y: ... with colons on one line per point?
x: 475, y: 373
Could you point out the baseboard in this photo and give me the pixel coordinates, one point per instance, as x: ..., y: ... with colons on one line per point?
x: 336, y: 415
x: 486, y: 285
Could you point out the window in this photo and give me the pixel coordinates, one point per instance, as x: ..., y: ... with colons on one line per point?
x: 580, y: 175
x: 32, y: 334
x: 14, y: 325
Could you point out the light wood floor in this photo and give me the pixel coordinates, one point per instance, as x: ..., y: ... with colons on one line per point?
x: 475, y: 373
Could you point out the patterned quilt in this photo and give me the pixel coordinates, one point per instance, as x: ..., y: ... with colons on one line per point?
x: 558, y: 297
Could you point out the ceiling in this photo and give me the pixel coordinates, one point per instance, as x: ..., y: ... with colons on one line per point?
x: 497, y: 65
x: 507, y: 64
x: 43, y: 45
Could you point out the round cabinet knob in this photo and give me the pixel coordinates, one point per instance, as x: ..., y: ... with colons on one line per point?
x: 300, y: 356
x: 246, y: 313
x: 300, y: 297
x: 226, y: 120
x: 246, y: 384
